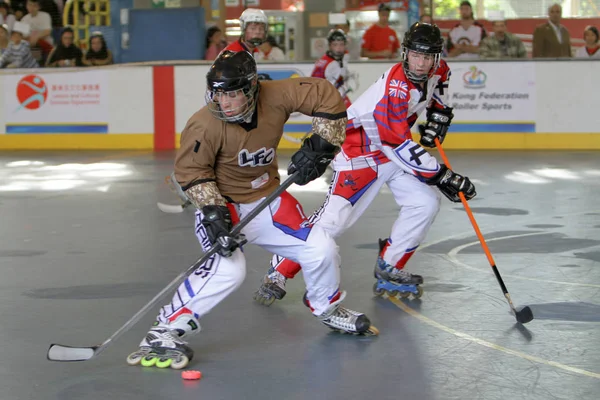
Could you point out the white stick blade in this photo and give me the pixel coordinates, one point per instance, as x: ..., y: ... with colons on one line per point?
x: 170, y: 209
x: 58, y: 352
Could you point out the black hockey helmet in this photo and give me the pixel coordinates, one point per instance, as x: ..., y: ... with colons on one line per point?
x: 232, y: 72
x: 422, y: 38
x: 336, y: 35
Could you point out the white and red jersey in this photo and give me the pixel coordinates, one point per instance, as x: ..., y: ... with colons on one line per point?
x: 380, y: 120
x: 239, y: 46
x: 336, y: 72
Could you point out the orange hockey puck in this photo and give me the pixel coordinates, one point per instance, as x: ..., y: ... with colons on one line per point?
x: 191, y: 375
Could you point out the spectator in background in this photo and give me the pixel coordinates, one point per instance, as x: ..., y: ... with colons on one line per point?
x: 464, y: 38
x: 4, y: 35
x: 18, y: 9
x: 51, y: 7
x: 215, y: 43
x: 98, y: 53
x: 503, y: 44
x: 65, y: 54
x: 41, y: 27
x: 6, y: 18
x: 552, y: 39
x: 590, y: 50
x: 380, y: 41
x: 18, y: 54
x: 427, y: 19
x: 269, y: 51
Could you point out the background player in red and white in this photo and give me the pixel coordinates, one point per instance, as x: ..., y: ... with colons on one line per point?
x: 333, y: 66
x: 254, y: 25
x: 379, y: 150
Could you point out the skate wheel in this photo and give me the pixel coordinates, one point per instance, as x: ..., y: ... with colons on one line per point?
x: 149, y: 361
x: 269, y: 301
x: 164, y: 362
x: 134, y: 358
x: 419, y: 292
x: 181, y: 362
x: 394, y: 293
x: 377, y: 291
x: 372, y: 331
x: 403, y: 295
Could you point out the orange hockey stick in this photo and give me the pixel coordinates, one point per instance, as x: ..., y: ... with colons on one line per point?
x: 523, y: 316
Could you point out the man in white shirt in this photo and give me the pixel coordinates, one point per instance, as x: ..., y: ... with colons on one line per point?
x: 465, y: 37
x: 41, y: 26
x: 552, y: 40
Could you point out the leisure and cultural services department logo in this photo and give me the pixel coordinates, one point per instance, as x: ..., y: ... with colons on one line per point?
x: 32, y: 92
x: 474, y: 78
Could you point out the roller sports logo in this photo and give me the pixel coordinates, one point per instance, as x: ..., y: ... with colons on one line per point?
x: 32, y: 92
x: 474, y: 78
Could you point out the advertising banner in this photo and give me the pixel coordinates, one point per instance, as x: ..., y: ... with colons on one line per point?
x: 57, y: 103
x: 493, y: 97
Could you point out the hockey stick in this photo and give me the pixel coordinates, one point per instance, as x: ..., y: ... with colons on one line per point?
x: 523, y: 316
x: 58, y: 352
x: 173, y: 209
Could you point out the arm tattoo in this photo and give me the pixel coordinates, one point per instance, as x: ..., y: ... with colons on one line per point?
x: 334, y: 131
x: 205, y: 194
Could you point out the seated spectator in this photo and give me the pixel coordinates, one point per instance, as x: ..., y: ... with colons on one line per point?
x: 592, y: 45
x: 41, y: 27
x: 18, y: 9
x: 502, y: 45
x: 464, y: 39
x: 18, y: 54
x: 66, y: 54
x: 98, y: 53
x: 215, y: 42
x: 4, y: 35
x: 269, y: 51
x: 6, y: 18
x: 552, y: 40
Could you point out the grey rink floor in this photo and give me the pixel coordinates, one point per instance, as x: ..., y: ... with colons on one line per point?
x: 83, y: 247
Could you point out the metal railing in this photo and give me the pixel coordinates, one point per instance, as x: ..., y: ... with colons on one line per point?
x: 84, y: 13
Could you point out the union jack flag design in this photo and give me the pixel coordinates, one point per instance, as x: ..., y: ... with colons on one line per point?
x: 398, y: 89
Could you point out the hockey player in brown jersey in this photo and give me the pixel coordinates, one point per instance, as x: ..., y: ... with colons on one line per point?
x: 226, y: 164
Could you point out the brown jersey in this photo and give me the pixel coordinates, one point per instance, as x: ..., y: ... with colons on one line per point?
x: 242, y: 158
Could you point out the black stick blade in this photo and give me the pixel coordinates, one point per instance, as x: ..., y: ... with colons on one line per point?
x: 58, y: 352
x: 525, y: 315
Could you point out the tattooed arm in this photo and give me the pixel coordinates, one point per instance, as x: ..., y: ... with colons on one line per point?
x: 321, y: 100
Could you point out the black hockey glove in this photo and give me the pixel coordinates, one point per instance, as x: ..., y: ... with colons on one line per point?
x: 312, y: 159
x: 436, y: 126
x: 217, y: 222
x: 450, y: 183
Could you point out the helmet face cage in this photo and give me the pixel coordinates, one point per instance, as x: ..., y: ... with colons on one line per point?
x: 256, y: 16
x: 246, y: 86
x: 423, y: 39
x: 336, y: 35
x: 414, y: 77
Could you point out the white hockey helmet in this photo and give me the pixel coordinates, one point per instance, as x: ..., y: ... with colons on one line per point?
x: 257, y: 16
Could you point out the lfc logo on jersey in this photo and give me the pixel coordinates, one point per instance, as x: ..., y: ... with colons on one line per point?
x: 398, y: 89
x: 260, y: 158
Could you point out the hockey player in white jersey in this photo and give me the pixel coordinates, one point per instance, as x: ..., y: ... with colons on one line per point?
x: 333, y: 66
x: 379, y: 150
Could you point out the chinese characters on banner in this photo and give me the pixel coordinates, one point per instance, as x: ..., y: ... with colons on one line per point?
x: 73, y: 102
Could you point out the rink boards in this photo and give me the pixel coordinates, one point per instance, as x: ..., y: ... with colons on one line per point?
x: 497, y: 105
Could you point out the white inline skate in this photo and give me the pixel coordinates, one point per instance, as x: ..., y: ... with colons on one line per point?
x: 163, y: 347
